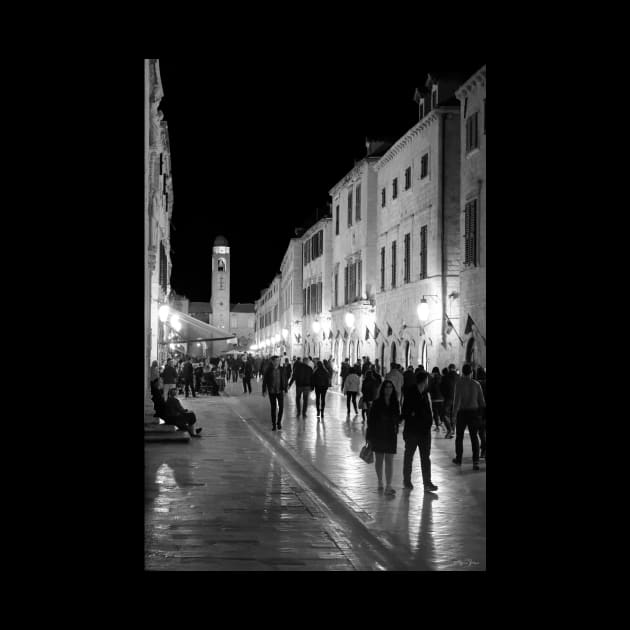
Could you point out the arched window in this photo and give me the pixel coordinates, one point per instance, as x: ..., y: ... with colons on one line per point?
x: 423, y: 356
x: 221, y: 265
x: 392, y: 355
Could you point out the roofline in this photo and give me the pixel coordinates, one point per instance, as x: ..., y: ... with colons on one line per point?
x: 425, y: 123
x: 352, y: 173
x: 478, y: 78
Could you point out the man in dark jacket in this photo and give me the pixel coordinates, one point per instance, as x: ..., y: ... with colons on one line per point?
x: 169, y: 378
x: 409, y: 381
x: 188, y: 374
x: 287, y: 368
x: 275, y: 382
x: 345, y: 369
x: 248, y: 372
x: 180, y: 417
x: 418, y: 416
x: 302, y: 373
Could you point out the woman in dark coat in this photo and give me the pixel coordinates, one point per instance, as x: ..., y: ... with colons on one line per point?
x: 382, y: 433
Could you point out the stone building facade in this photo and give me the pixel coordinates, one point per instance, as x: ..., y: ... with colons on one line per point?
x: 472, y: 99
x: 418, y: 244
x: 317, y: 289
x: 268, y: 331
x: 158, y: 202
x: 291, y: 299
x: 354, y: 270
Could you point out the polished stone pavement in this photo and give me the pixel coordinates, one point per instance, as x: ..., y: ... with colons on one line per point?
x: 246, y: 498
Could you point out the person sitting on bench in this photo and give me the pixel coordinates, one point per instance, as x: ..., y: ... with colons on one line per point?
x: 175, y: 414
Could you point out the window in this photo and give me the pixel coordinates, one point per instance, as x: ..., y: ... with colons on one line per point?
x: 357, y: 203
x: 408, y: 178
x: 161, y: 163
x: 221, y: 283
x: 275, y: 313
x: 221, y: 264
x: 303, y: 301
x: 382, y: 197
x: 423, y: 251
x: 350, y: 208
x: 382, y: 269
x: 337, y: 222
x: 321, y: 242
x: 320, y: 306
x: 395, y: 188
x: 424, y: 166
x: 394, y: 264
x: 336, y: 283
x: 308, y: 300
x: 472, y: 135
x: 345, y: 285
x: 163, y: 268
x: 470, y: 233
x: 407, y: 258
x: 359, y: 286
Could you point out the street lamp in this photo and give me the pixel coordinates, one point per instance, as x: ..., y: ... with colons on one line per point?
x: 285, y: 333
x: 176, y: 323
x: 350, y: 320
x: 423, y: 307
x: 163, y: 312
x: 316, y: 327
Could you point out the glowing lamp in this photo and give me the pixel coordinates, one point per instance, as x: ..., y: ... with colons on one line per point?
x: 285, y: 333
x: 350, y: 320
x: 423, y: 310
x: 316, y: 327
x: 163, y: 312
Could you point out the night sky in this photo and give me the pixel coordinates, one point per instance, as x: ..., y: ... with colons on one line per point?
x: 254, y: 153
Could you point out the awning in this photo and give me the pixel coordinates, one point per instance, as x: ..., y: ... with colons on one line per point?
x: 193, y: 330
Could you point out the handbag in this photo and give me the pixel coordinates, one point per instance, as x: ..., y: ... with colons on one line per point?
x: 367, y: 454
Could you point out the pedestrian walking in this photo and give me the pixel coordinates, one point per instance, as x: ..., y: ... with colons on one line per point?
x: 275, y: 383
x: 369, y: 392
x: 409, y: 381
x: 169, y: 378
x: 418, y: 417
x: 287, y: 369
x: 301, y: 376
x: 156, y: 388
x: 467, y: 407
x: 437, y: 402
x: 448, y: 389
x: 345, y: 368
x: 198, y: 376
x: 248, y: 372
x: 481, y: 378
x: 377, y: 367
x: 320, y: 381
x: 382, y: 433
x: 188, y: 375
x: 351, y: 387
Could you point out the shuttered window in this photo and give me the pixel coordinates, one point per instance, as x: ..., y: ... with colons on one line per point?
x: 383, y: 197
x: 423, y: 251
x: 407, y: 261
x: 382, y: 269
x: 336, y: 296
x: 424, y: 166
x: 408, y: 178
x: 350, y: 207
x: 337, y: 222
x: 345, y: 285
x: 163, y: 268
x: 472, y: 132
x: 304, y: 302
x: 470, y: 233
x: 395, y: 188
x: 393, y: 264
x: 359, y: 280
x: 320, y: 292
x: 357, y: 203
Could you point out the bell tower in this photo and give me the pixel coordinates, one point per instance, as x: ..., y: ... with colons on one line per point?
x: 220, y: 297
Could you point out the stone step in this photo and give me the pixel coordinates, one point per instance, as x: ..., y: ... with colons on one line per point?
x: 175, y: 436
x: 159, y: 428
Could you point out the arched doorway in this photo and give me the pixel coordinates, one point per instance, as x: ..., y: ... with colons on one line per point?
x: 471, y: 352
x: 423, y: 356
x: 392, y: 354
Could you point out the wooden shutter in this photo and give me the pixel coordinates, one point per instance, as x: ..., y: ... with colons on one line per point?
x: 357, y: 203
x: 336, y: 289
x: 423, y: 251
x: 394, y: 264
x: 382, y: 269
x: 345, y: 285
x: 359, y: 281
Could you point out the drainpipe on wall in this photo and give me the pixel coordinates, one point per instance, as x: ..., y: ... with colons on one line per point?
x: 441, y: 194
